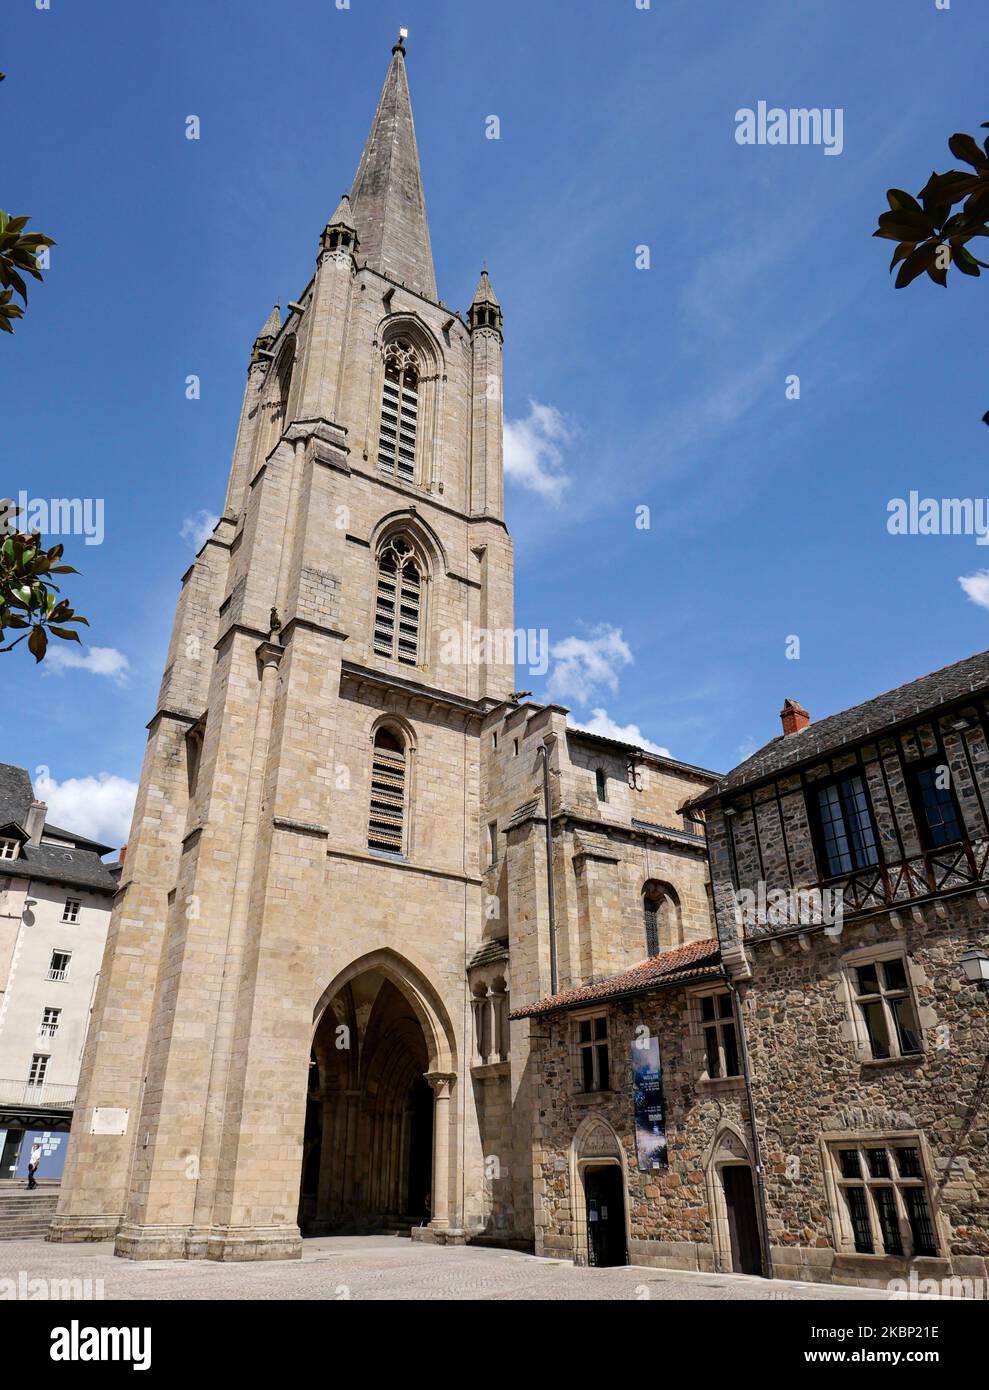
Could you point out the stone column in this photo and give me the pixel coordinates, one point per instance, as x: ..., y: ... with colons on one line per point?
x: 442, y: 1083
x: 477, y: 1042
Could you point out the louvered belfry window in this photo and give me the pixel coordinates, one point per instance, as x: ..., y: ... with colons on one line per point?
x: 399, y: 413
x: 398, y: 605
x: 387, y: 815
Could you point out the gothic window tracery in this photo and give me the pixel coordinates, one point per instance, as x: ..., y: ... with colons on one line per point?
x: 398, y: 604
x: 399, y: 425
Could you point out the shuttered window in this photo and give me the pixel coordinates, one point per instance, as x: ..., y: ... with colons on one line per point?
x: 398, y: 604
x: 386, y: 820
x: 399, y: 414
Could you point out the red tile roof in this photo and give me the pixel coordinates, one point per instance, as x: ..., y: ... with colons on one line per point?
x: 690, y: 962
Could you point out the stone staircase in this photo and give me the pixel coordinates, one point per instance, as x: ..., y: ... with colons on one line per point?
x: 27, y: 1215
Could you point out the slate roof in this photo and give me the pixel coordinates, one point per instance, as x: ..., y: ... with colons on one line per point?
x: 78, y: 865
x: 16, y: 793
x: 80, y: 841
x: 78, y: 868
x: 694, y: 961
x: 919, y: 697
x: 662, y: 759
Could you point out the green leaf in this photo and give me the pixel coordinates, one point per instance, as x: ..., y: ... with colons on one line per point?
x: 941, y: 190
x: 965, y: 148
x: 37, y: 643
x: 65, y: 632
x: 965, y: 261
x: 907, y: 225
x: 915, y: 264
x: 898, y: 199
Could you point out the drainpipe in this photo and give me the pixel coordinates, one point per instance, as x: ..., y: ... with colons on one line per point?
x: 550, y: 893
x: 743, y: 1047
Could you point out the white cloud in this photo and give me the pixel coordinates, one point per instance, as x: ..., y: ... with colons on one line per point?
x: 976, y: 587
x: 99, y: 807
x: 99, y: 661
x: 583, y: 665
x: 602, y: 723
x: 197, y: 527
x: 533, y: 453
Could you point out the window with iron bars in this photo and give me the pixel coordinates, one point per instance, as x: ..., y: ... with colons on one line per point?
x: 882, y: 1184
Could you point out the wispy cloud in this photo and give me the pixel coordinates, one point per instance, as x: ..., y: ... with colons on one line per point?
x: 534, y: 451
x: 197, y: 527
x: 99, y: 807
x: 98, y: 661
x: 601, y: 722
x: 584, y: 665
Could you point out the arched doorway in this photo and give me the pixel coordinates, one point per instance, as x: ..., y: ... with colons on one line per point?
x: 598, y: 1195
x: 731, y: 1201
x: 377, y: 1136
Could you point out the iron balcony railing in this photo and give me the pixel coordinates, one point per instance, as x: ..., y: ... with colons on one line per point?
x: 45, y: 1093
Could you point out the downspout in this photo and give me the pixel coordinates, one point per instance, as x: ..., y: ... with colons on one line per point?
x: 743, y: 1047
x: 550, y: 890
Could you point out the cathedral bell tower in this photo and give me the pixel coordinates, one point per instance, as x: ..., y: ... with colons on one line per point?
x: 278, y: 1036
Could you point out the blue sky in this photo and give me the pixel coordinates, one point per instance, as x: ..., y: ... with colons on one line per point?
x: 660, y: 387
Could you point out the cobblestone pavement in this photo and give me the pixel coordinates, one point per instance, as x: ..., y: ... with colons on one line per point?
x: 386, y: 1267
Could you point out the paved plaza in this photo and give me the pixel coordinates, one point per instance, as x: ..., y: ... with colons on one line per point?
x: 385, y: 1267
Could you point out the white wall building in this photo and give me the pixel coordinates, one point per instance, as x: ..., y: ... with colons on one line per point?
x: 55, y: 895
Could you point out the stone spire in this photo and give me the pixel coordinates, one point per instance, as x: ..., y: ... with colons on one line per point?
x: 485, y: 311
x: 273, y: 324
x: 386, y: 199
x: 270, y: 331
x: 484, y: 294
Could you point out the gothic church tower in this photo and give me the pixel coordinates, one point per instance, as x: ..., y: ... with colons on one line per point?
x: 279, y: 1032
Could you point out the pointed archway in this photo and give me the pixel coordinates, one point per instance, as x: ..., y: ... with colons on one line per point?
x: 377, y: 1140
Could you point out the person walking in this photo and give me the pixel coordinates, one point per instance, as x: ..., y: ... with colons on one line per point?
x: 32, y: 1165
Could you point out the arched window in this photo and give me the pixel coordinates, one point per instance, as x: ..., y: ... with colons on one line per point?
x: 386, y: 818
x: 398, y: 605
x: 650, y: 911
x: 399, y: 412
x: 661, y: 918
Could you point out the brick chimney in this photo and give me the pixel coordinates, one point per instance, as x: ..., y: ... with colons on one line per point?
x: 34, y: 822
x: 122, y: 854
x: 794, y: 717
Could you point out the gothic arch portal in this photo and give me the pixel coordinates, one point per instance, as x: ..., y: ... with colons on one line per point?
x: 379, y: 1148
x: 410, y: 980
x: 595, y: 1145
x: 728, y: 1149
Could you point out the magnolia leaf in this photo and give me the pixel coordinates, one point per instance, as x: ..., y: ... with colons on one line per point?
x: 965, y: 148
x: 37, y: 643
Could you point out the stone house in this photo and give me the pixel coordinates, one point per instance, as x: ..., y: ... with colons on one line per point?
x: 825, y: 1109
